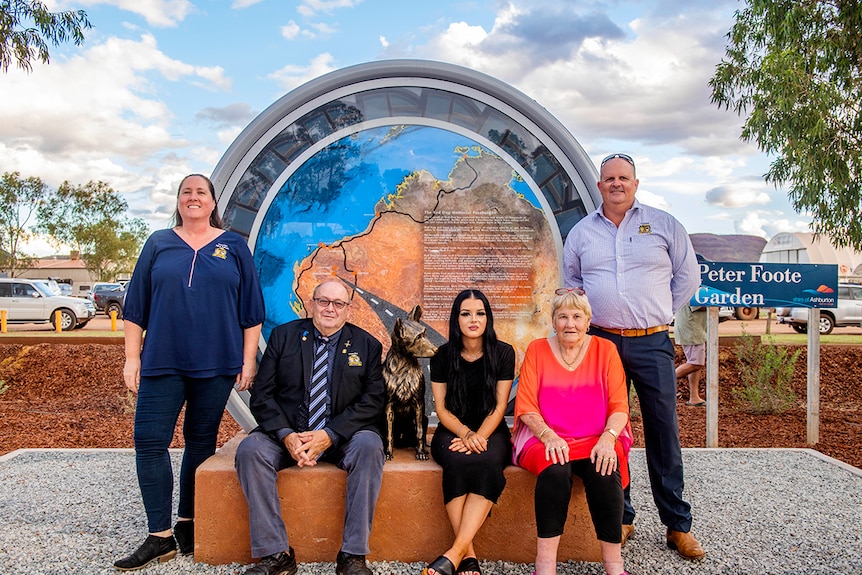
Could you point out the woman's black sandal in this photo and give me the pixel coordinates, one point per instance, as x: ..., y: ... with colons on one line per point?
x: 441, y: 566
x: 469, y: 565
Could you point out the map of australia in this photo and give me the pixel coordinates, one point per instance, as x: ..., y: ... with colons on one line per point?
x: 426, y: 239
x: 431, y: 239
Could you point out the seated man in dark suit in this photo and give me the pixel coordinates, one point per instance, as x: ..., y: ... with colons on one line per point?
x: 318, y: 394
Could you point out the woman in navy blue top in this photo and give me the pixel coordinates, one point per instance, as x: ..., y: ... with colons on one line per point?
x: 196, y: 294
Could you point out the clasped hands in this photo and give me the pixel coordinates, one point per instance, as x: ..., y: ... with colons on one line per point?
x: 472, y: 442
x: 307, y: 446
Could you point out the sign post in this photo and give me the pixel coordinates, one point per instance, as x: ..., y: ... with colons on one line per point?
x: 766, y: 285
x: 812, y: 427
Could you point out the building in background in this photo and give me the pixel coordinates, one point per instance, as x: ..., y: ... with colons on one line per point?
x: 803, y: 248
x: 65, y: 269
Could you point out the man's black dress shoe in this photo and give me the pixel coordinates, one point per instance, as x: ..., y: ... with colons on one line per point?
x: 184, y: 533
x: 346, y: 564
x: 279, y: 564
x: 153, y: 549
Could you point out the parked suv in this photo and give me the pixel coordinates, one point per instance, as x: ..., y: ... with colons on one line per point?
x: 28, y: 301
x: 111, y: 300
x: 847, y: 314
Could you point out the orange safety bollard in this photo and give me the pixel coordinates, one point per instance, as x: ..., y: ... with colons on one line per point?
x: 3, y: 314
x: 58, y: 320
x: 113, y: 320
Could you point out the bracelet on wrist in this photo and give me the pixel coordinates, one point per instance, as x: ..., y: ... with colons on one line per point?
x: 543, y: 432
x: 612, y: 432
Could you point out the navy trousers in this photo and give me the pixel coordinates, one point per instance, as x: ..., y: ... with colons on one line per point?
x: 160, y: 399
x: 649, y: 365
x: 260, y: 457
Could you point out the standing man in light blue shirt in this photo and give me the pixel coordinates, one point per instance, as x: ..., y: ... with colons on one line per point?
x: 637, y: 265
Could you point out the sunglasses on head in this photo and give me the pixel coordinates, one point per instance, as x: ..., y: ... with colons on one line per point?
x: 625, y: 157
x: 564, y: 291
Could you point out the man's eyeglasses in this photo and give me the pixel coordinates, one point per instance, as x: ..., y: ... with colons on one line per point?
x: 323, y: 303
x: 625, y: 157
x: 564, y: 291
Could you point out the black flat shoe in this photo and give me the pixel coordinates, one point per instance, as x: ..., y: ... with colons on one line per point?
x: 347, y: 564
x: 153, y: 549
x: 469, y: 565
x: 441, y: 566
x: 283, y: 563
x: 184, y: 533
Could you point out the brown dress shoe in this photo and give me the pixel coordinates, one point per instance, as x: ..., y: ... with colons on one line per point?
x: 685, y: 544
x: 628, y: 529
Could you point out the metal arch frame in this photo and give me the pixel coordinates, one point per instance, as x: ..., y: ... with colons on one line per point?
x: 479, y: 86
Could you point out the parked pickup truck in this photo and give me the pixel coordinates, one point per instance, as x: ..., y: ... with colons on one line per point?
x: 111, y: 300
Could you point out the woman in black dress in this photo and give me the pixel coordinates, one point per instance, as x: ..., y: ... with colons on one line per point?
x: 471, y: 377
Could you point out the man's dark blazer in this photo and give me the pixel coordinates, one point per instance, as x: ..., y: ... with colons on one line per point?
x: 358, y: 391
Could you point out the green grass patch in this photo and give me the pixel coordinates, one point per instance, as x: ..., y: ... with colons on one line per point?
x: 74, y: 334
x: 802, y: 339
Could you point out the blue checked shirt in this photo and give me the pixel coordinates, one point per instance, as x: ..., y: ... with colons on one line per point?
x: 635, y: 276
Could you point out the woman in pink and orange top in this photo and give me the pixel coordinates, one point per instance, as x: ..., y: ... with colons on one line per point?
x: 571, y: 419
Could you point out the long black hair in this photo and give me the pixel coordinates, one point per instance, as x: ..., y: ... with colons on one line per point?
x: 456, y: 387
x: 215, y: 218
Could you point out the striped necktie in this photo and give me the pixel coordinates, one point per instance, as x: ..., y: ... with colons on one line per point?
x: 317, y: 395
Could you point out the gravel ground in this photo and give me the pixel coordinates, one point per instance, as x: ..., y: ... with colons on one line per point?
x: 776, y: 511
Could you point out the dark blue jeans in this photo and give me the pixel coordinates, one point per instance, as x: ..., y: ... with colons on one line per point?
x: 160, y: 399
x: 649, y: 366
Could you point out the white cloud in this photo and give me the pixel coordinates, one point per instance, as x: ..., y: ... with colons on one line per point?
x: 752, y: 224
x: 240, y: 4
x: 290, y: 31
x: 323, y: 29
x: 228, y: 136
x: 292, y: 76
x: 651, y: 199
x: 644, y: 81
x: 97, y: 116
x: 384, y: 42
x: 214, y: 76
x: 312, y: 7
x: 106, y: 90
x: 163, y: 13
x: 738, y: 195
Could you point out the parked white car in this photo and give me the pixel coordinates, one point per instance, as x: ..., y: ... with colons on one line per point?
x: 847, y: 314
x: 29, y: 301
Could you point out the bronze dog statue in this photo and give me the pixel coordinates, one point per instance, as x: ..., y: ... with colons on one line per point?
x: 405, y: 384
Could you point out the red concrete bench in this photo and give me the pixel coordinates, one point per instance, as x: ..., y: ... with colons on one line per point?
x: 410, y: 522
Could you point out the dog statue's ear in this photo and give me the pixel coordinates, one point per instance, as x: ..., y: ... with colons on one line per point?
x: 397, y: 327
x: 415, y: 313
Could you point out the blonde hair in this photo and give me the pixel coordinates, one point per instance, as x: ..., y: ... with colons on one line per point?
x: 571, y: 299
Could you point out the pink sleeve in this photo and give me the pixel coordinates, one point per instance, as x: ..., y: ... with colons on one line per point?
x: 618, y: 395
x: 527, y: 397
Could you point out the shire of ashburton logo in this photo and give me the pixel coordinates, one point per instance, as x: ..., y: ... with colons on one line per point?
x: 824, y: 296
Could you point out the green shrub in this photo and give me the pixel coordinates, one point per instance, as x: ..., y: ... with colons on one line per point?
x: 766, y: 372
x: 4, y: 387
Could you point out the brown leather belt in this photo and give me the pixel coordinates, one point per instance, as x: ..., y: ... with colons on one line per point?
x: 634, y: 332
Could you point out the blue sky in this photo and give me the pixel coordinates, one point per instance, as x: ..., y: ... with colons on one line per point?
x: 162, y: 87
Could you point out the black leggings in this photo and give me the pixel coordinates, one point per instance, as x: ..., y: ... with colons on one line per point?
x: 604, y: 498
